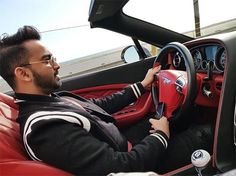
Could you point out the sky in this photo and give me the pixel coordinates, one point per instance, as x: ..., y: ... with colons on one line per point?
x: 75, y: 41
x: 79, y: 40
x: 179, y: 14
x: 48, y: 15
x: 15, y: 13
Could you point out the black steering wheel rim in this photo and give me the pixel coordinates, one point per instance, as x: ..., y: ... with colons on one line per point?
x: 191, y: 75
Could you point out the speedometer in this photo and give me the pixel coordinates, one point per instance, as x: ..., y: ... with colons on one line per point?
x: 197, y: 58
x: 220, y: 59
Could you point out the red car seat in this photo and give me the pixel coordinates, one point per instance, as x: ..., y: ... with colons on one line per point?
x: 13, y: 159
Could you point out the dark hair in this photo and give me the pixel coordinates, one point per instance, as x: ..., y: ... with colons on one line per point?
x: 13, y: 53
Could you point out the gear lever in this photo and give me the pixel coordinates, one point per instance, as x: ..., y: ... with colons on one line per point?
x: 200, y: 159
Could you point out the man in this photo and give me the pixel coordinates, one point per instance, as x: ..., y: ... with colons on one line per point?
x: 68, y: 131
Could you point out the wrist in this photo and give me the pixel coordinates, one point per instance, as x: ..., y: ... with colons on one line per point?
x: 162, y: 137
x: 144, y: 84
x: 167, y: 136
x: 141, y: 87
x: 138, y: 89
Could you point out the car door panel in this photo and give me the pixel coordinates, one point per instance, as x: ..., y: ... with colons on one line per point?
x: 106, y: 82
x: 128, y: 73
x: 127, y: 115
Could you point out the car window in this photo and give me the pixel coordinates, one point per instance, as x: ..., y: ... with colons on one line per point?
x: 82, y: 50
x: 66, y: 32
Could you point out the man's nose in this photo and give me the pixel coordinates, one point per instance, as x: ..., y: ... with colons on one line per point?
x: 56, y: 66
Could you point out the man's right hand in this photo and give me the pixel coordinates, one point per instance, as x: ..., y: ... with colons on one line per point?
x: 162, y: 124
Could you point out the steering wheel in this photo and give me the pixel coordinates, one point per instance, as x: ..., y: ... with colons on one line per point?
x: 174, y: 90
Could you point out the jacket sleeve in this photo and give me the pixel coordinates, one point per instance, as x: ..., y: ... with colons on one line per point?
x: 121, y: 99
x: 71, y: 148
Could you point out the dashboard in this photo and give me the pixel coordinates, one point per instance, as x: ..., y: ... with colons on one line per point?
x: 205, y: 57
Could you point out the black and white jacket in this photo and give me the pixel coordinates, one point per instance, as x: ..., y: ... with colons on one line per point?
x: 84, y: 140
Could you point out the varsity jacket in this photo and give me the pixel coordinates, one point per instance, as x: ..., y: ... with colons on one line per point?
x: 79, y: 135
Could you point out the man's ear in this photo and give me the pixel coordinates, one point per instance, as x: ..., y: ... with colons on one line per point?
x: 23, y: 74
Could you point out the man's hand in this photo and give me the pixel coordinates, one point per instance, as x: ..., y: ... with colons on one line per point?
x: 162, y: 124
x: 149, y: 78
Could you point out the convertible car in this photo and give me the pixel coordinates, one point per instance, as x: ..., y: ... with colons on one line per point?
x: 196, y: 84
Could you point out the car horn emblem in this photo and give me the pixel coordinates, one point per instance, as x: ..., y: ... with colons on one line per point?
x: 165, y: 80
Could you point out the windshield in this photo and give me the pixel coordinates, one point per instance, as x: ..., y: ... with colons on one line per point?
x: 182, y: 16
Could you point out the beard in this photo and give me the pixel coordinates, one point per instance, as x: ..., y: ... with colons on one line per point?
x: 46, y: 84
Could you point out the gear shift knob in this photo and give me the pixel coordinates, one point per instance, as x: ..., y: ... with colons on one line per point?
x: 200, y: 159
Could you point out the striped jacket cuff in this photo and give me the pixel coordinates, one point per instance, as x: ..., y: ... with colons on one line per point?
x: 138, y: 89
x: 162, y: 137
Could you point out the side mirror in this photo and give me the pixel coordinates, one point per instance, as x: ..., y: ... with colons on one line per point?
x: 130, y: 54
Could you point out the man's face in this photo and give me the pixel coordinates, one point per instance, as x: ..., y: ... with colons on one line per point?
x: 44, y: 69
x: 47, y: 83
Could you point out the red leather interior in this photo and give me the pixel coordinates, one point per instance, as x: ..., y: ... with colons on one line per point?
x: 214, y: 86
x: 127, y: 115
x: 13, y: 159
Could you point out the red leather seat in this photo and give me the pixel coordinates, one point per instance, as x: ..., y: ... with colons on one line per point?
x: 13, y: 159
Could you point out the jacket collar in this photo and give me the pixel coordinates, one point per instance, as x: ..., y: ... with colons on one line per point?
x: 21, y: 97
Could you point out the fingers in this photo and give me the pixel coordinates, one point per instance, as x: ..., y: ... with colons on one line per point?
x: 161, y: 124
x: 163, y: 118
x: 156, y: 69
x: 152, y: 131
x: 149, y: 78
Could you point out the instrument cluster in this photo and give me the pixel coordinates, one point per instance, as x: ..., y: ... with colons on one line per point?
x: 204, y: 56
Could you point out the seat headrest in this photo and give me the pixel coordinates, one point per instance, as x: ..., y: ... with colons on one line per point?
x: 7, y: 107
x: 8, y: 100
